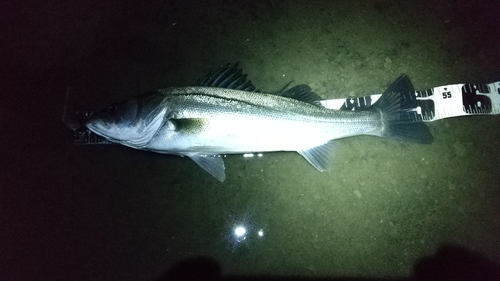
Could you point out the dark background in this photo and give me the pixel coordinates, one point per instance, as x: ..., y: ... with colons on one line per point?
x: 109, y: 213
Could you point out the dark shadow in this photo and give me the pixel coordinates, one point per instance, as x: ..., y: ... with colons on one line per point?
x: 194, y: 269
x: 451, y: 262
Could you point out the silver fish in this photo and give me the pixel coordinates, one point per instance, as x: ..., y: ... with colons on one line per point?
x: 224, y: 114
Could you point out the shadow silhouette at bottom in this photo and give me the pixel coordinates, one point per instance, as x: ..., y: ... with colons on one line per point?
x: 451, y: 262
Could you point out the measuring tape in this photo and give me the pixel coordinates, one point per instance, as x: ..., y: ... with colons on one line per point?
x: 439, y: 102
x: 433, y: 104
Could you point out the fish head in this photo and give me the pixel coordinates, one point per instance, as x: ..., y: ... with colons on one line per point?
x: 132, y: 122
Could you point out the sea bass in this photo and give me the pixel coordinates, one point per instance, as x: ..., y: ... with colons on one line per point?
x: 225, y: 114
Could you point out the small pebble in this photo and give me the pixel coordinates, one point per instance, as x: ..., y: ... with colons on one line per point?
x: 358, y: 193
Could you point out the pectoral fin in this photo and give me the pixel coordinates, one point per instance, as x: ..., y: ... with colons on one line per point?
x: 213, y: 164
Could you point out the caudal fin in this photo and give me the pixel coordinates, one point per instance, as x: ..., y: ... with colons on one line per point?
x: 398, y: 109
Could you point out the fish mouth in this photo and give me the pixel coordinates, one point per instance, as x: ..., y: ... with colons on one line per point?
x: 109, y: 131
x: 100, y: 125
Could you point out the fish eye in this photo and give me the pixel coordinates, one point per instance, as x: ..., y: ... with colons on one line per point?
x: 111, y: 109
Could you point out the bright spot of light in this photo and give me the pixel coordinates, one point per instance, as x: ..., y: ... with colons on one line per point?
x: 240, y: 233
x: 419, y: 110
x: 250, y: 155
x: 261, y: 233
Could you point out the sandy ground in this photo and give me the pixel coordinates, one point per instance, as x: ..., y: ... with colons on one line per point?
x: 386, y: 209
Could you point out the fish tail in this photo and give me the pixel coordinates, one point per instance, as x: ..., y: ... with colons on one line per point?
x: 397, y: 108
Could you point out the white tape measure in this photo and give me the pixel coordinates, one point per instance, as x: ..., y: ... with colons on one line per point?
x: 439, y: 102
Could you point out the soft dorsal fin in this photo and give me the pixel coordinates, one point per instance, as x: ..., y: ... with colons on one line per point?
x: 229, y: 77
x: 303, y: 93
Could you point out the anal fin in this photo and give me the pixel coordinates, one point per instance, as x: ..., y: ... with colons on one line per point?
x: 320, y: 156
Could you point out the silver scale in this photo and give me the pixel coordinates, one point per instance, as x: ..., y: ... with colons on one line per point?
x: 433, y: 104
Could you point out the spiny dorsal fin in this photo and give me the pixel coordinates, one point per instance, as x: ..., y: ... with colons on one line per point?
x: 229, y: 77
